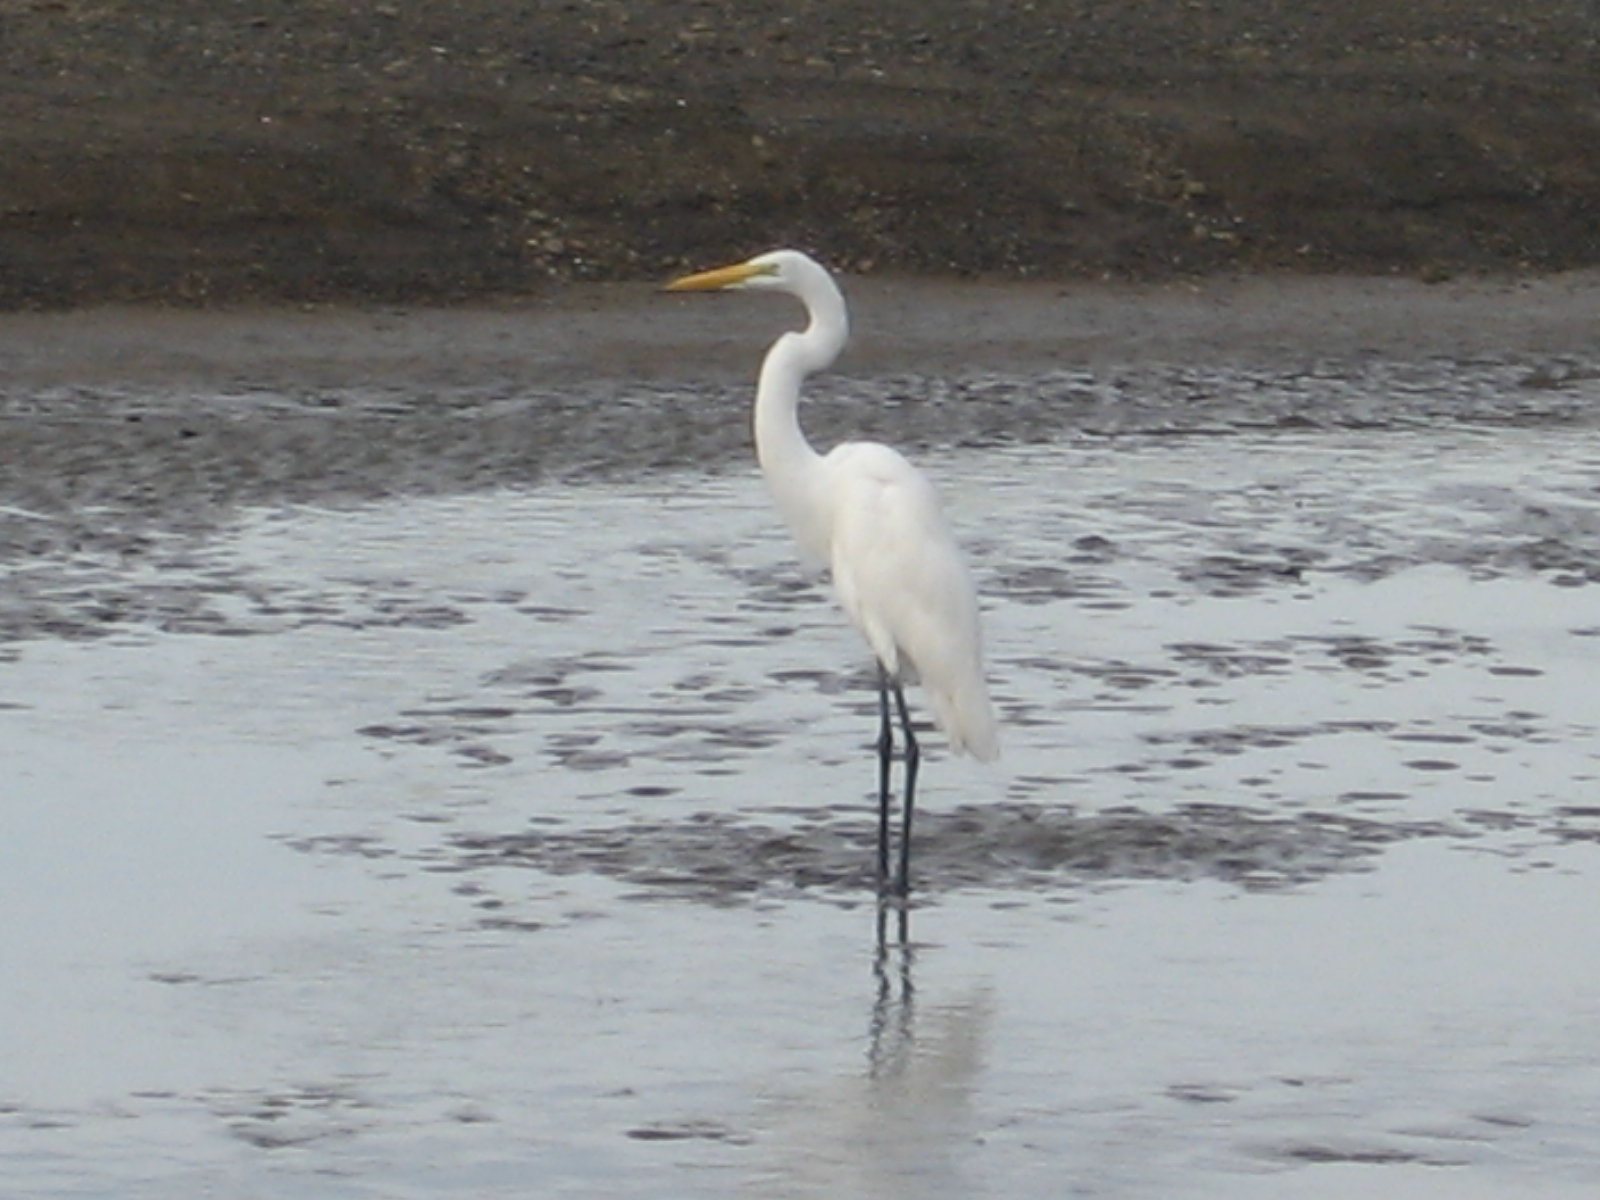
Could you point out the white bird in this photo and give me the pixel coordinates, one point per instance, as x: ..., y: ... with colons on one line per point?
x: 875, y: 520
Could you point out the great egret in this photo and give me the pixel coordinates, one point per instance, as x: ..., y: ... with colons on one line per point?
x: 874, y: 520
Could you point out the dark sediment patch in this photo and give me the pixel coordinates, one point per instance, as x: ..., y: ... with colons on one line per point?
x: 730, y: 858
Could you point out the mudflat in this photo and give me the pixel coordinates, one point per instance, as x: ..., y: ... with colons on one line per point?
x: 124, y: 423
x: 611, y: 335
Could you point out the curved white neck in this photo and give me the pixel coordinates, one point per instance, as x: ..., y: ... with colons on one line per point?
x: 787, y: 459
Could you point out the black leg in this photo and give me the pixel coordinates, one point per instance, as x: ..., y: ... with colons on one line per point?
x: 913, y: 757
x: 885, y: 758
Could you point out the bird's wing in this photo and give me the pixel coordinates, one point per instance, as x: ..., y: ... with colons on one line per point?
x: 904, y: 582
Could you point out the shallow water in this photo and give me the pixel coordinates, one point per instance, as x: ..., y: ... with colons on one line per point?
x: 516, y: 841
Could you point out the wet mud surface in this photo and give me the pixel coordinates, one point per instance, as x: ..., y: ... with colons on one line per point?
x: 723, y: 858
x: 1240, y: 475
x: 432, y: 772
x: 127, y: 433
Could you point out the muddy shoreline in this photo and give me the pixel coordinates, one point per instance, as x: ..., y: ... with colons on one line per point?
x: 178, y: 416
x: 430, y: 772
x: 130, y: 431
x: 615, y: 334
x: 195, y: 152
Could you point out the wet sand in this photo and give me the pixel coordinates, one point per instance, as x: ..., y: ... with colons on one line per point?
x: 577, y: 333
x: 123, y: 424
x: 429, y: 773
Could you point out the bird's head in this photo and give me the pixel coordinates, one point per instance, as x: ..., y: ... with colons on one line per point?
x: 776, y: 270
x: 797, y: 275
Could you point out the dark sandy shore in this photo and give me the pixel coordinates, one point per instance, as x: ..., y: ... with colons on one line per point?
x: 206, y: 150
x: 121, y: 422
x: 611, y: 335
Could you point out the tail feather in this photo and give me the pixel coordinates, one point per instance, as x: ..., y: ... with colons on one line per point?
x: 967, y: 718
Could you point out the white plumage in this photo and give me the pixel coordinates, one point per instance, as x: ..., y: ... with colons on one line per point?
x: 875, y: 520
x: 902, y: 579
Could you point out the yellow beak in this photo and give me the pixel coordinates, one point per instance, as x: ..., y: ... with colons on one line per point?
x: 721, y: 277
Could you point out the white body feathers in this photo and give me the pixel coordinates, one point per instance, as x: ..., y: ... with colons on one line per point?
x: 871, y: 516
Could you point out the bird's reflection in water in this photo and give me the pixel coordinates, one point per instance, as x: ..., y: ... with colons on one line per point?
x: 890, y: 1034
x: 903, y: 1128
x: 922, y: 1070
